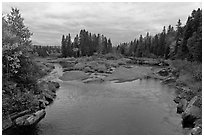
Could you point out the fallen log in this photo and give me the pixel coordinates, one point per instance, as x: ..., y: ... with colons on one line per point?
x: 30, y: 119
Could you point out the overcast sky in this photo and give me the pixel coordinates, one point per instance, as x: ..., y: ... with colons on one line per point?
x: 122, y: 22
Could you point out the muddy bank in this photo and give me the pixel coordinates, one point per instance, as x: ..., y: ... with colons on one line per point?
x: 74, y: 75
x: 92, y: 69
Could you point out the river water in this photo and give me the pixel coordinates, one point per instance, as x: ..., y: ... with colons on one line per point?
x: 140, y: 107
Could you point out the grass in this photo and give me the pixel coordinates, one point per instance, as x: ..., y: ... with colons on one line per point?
x: 189, y: 71
x: 190, y: 76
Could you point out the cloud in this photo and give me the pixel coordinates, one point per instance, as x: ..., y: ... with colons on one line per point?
x: 121, y: 22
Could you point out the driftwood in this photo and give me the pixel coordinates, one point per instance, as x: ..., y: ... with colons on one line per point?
x: 30, y: 119
x: 16, y: 115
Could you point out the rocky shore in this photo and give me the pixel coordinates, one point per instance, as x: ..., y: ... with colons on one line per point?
x: 97, y: 69
x: 44, y: 94
x: 189, y: 102
x: 93, y: 69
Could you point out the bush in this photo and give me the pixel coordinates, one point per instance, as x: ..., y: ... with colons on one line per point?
x: 192, y: 68
x: 111, y: 56
x: 190, y: 75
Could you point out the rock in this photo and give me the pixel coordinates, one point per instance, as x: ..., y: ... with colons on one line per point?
x: 163, y: 63
x: 48, y: 97
x: 88, y: 69
x: 56, y: 84
x: 191, y: 113
x: 163, y: 72
x: 43, y: 103
x: 196, y: 131
x: 177, y: 99
x: 181, y: 107
x: 169, y: 80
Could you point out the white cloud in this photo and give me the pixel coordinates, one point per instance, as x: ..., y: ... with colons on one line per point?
x: 121, y: 22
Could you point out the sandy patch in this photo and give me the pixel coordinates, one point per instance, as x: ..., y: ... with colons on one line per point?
x: 127, y: 74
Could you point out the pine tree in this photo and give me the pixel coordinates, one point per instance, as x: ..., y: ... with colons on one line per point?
x: 76, y: 46
x: 69, y: 46
x: 105, y: 46
x: 194, y: 30
x: 179, y: 37
x: 156, y: 44
x: 140, y: 47
x: 63, y: 48
x: 162, y: 43
x: 82, y: 43
x: 109, y: 46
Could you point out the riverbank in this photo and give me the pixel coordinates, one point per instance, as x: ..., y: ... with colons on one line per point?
x: 99, y: 69
x: 189, y: 94
x: 19, y: 101
x: 187, y: 83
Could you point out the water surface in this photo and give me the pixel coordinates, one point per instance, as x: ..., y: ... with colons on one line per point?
x: 141, y: 107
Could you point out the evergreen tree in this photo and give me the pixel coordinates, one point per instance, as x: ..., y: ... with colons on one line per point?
x: 82, y: 43
x: 69, y: 46
x: 156, y: 44
x: 63, y: 48
x: 104, y: 45
x: 193, y: 34
x: 162, y: 43
x: 76, y: 46
x: 140, y: 47
x: 179, y: 36
x: 109, y: 46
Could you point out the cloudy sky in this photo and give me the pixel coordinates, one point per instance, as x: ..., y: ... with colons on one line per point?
x: 121, y: 22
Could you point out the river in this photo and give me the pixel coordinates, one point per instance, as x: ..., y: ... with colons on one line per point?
x: 139, y: 107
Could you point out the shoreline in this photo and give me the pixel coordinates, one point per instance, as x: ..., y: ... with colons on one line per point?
x: 45, y: 96
x: 123, y: 70
x: 147, y: 68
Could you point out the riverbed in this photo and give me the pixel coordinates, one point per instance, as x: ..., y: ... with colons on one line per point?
x: 138, y: 107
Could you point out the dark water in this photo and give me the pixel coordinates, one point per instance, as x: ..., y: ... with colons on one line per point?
x: 137, y: 107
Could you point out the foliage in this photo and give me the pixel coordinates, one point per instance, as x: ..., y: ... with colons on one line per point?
x: 188, y: 67
x: 44, y: 51
x: 20, y: 73
x: 85, y: 44
x: 184, y: 42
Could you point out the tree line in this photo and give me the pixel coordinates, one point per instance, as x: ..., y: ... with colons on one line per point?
x: 45, y: 51
x: 183, y: 42
x: 85, y: 44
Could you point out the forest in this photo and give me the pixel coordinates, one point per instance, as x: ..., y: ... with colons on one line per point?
x: 182, y: 42
x: 180, y: 45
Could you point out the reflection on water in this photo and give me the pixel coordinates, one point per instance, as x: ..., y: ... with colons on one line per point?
x: 136, y: 107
